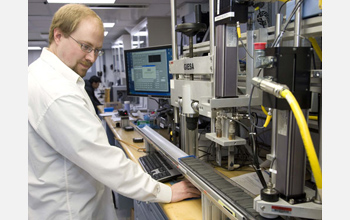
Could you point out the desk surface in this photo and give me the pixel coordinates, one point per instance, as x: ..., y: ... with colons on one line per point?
x: 187, y: 209
x: 125, y: 139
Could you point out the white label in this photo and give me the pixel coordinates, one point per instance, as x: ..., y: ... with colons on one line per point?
x: 224, y: 16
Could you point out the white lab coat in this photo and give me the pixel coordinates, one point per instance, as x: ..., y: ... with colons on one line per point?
x: 71, y: 166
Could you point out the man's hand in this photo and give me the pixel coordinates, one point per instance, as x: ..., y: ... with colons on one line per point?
x: 184, y: 190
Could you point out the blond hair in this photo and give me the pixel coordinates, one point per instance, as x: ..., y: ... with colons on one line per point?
x: 68, y: 17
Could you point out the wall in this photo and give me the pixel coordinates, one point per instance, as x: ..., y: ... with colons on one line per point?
x: 109, y: 75
x: 33, y: 55
x: 159, y: 31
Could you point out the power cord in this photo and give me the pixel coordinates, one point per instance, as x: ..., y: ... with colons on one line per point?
x: 139, y: 149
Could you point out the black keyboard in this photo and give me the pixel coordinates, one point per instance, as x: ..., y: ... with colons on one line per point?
x: 159, y: 167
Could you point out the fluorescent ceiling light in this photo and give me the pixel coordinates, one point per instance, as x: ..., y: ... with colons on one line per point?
x: 34, y: 48
x: 82, y: 1
x: 108, y: 25
x: 137, y: 42
x: 105, y: 33
x: 116, y: 7
x: 141, y: 33
x: 117, y: 45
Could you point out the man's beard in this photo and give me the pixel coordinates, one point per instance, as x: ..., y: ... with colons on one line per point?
x: 82, y: 71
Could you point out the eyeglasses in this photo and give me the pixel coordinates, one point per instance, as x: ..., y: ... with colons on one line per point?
x: 87, y: 48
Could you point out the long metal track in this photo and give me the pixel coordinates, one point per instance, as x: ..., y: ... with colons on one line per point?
x: 227, y: 196
x: 239, y: 199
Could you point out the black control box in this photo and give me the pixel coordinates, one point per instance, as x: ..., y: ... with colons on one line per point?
x: 128, y: 128
x: 137, y: 140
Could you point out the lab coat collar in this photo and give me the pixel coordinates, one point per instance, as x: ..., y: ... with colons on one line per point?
x: 60, y: 67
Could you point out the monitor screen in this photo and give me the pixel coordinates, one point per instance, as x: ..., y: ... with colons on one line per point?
x: 147, y: 71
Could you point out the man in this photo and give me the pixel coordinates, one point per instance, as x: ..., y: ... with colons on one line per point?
x: 71, y: 166
x: 90, y: 86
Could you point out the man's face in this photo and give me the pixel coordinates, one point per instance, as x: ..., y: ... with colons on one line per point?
x: 88, y: 32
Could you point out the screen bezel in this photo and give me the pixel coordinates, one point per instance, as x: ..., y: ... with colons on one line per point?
x: 147, y: 93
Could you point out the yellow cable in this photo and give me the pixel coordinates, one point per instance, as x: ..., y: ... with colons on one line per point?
x: 316, y: 47
x: 313, y: 117
x: 305, y: 134
x: 268, y: 119
x: 264, y: 110
x: 238, y: 30
x: 320, y: 4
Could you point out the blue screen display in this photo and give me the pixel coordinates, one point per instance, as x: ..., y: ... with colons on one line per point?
x: 147, y: 71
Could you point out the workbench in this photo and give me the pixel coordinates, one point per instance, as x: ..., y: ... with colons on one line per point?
x: 187, y: 209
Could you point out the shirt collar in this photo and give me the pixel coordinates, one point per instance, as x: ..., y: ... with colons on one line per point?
x: 59, y: 66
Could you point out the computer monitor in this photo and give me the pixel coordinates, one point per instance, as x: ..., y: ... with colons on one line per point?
x: 147, y: 71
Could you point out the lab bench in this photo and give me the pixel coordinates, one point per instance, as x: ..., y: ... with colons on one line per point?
x: 187, y: 209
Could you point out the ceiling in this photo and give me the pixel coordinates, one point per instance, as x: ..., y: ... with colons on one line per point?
x: 127, y: 16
